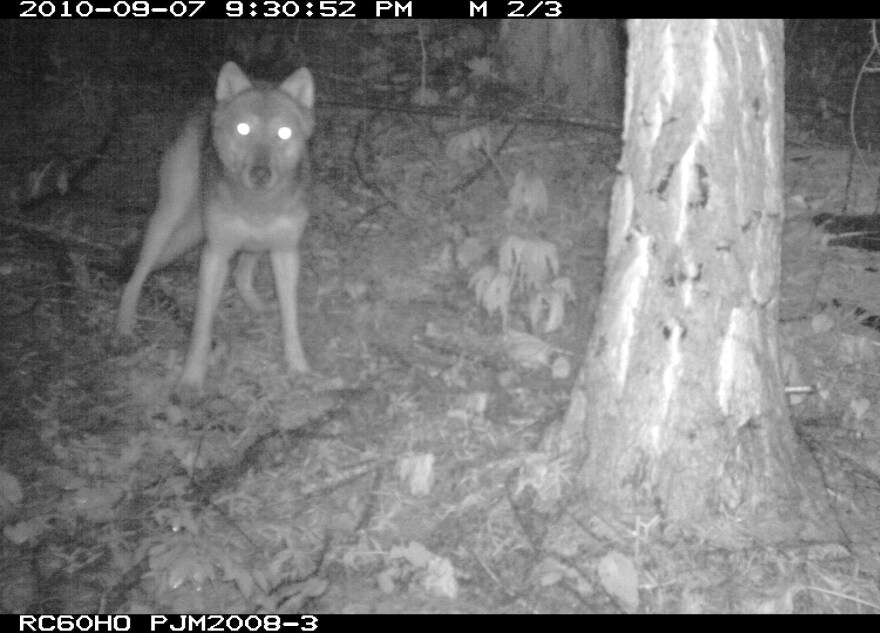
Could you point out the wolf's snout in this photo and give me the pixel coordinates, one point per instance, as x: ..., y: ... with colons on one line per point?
x: 260, y: 176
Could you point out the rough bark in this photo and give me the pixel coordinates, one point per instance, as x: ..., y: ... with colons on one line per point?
x: 679, y: 410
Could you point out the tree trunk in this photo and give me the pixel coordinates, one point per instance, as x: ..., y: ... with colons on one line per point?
x: 576, y: 65
x: 679, y: 410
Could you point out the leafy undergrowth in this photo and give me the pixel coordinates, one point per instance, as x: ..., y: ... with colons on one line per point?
x: 450, y: 270
x: 389, y: 480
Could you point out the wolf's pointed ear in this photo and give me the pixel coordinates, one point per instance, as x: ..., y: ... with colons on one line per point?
x: 301, y: 87
x: 231, y: 81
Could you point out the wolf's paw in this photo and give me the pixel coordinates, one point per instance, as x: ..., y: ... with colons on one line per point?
x: 299, y: 371
x: 123, y: 343
x: 188, y: 394
x: 312, y: 380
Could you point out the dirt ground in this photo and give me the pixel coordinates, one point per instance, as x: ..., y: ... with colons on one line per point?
x: 405, y: 475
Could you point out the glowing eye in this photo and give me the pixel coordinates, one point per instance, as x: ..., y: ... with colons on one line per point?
x: 243, y: 128
x: 284, y: 133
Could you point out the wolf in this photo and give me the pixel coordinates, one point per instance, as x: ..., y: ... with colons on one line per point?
x: 235, y: 181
